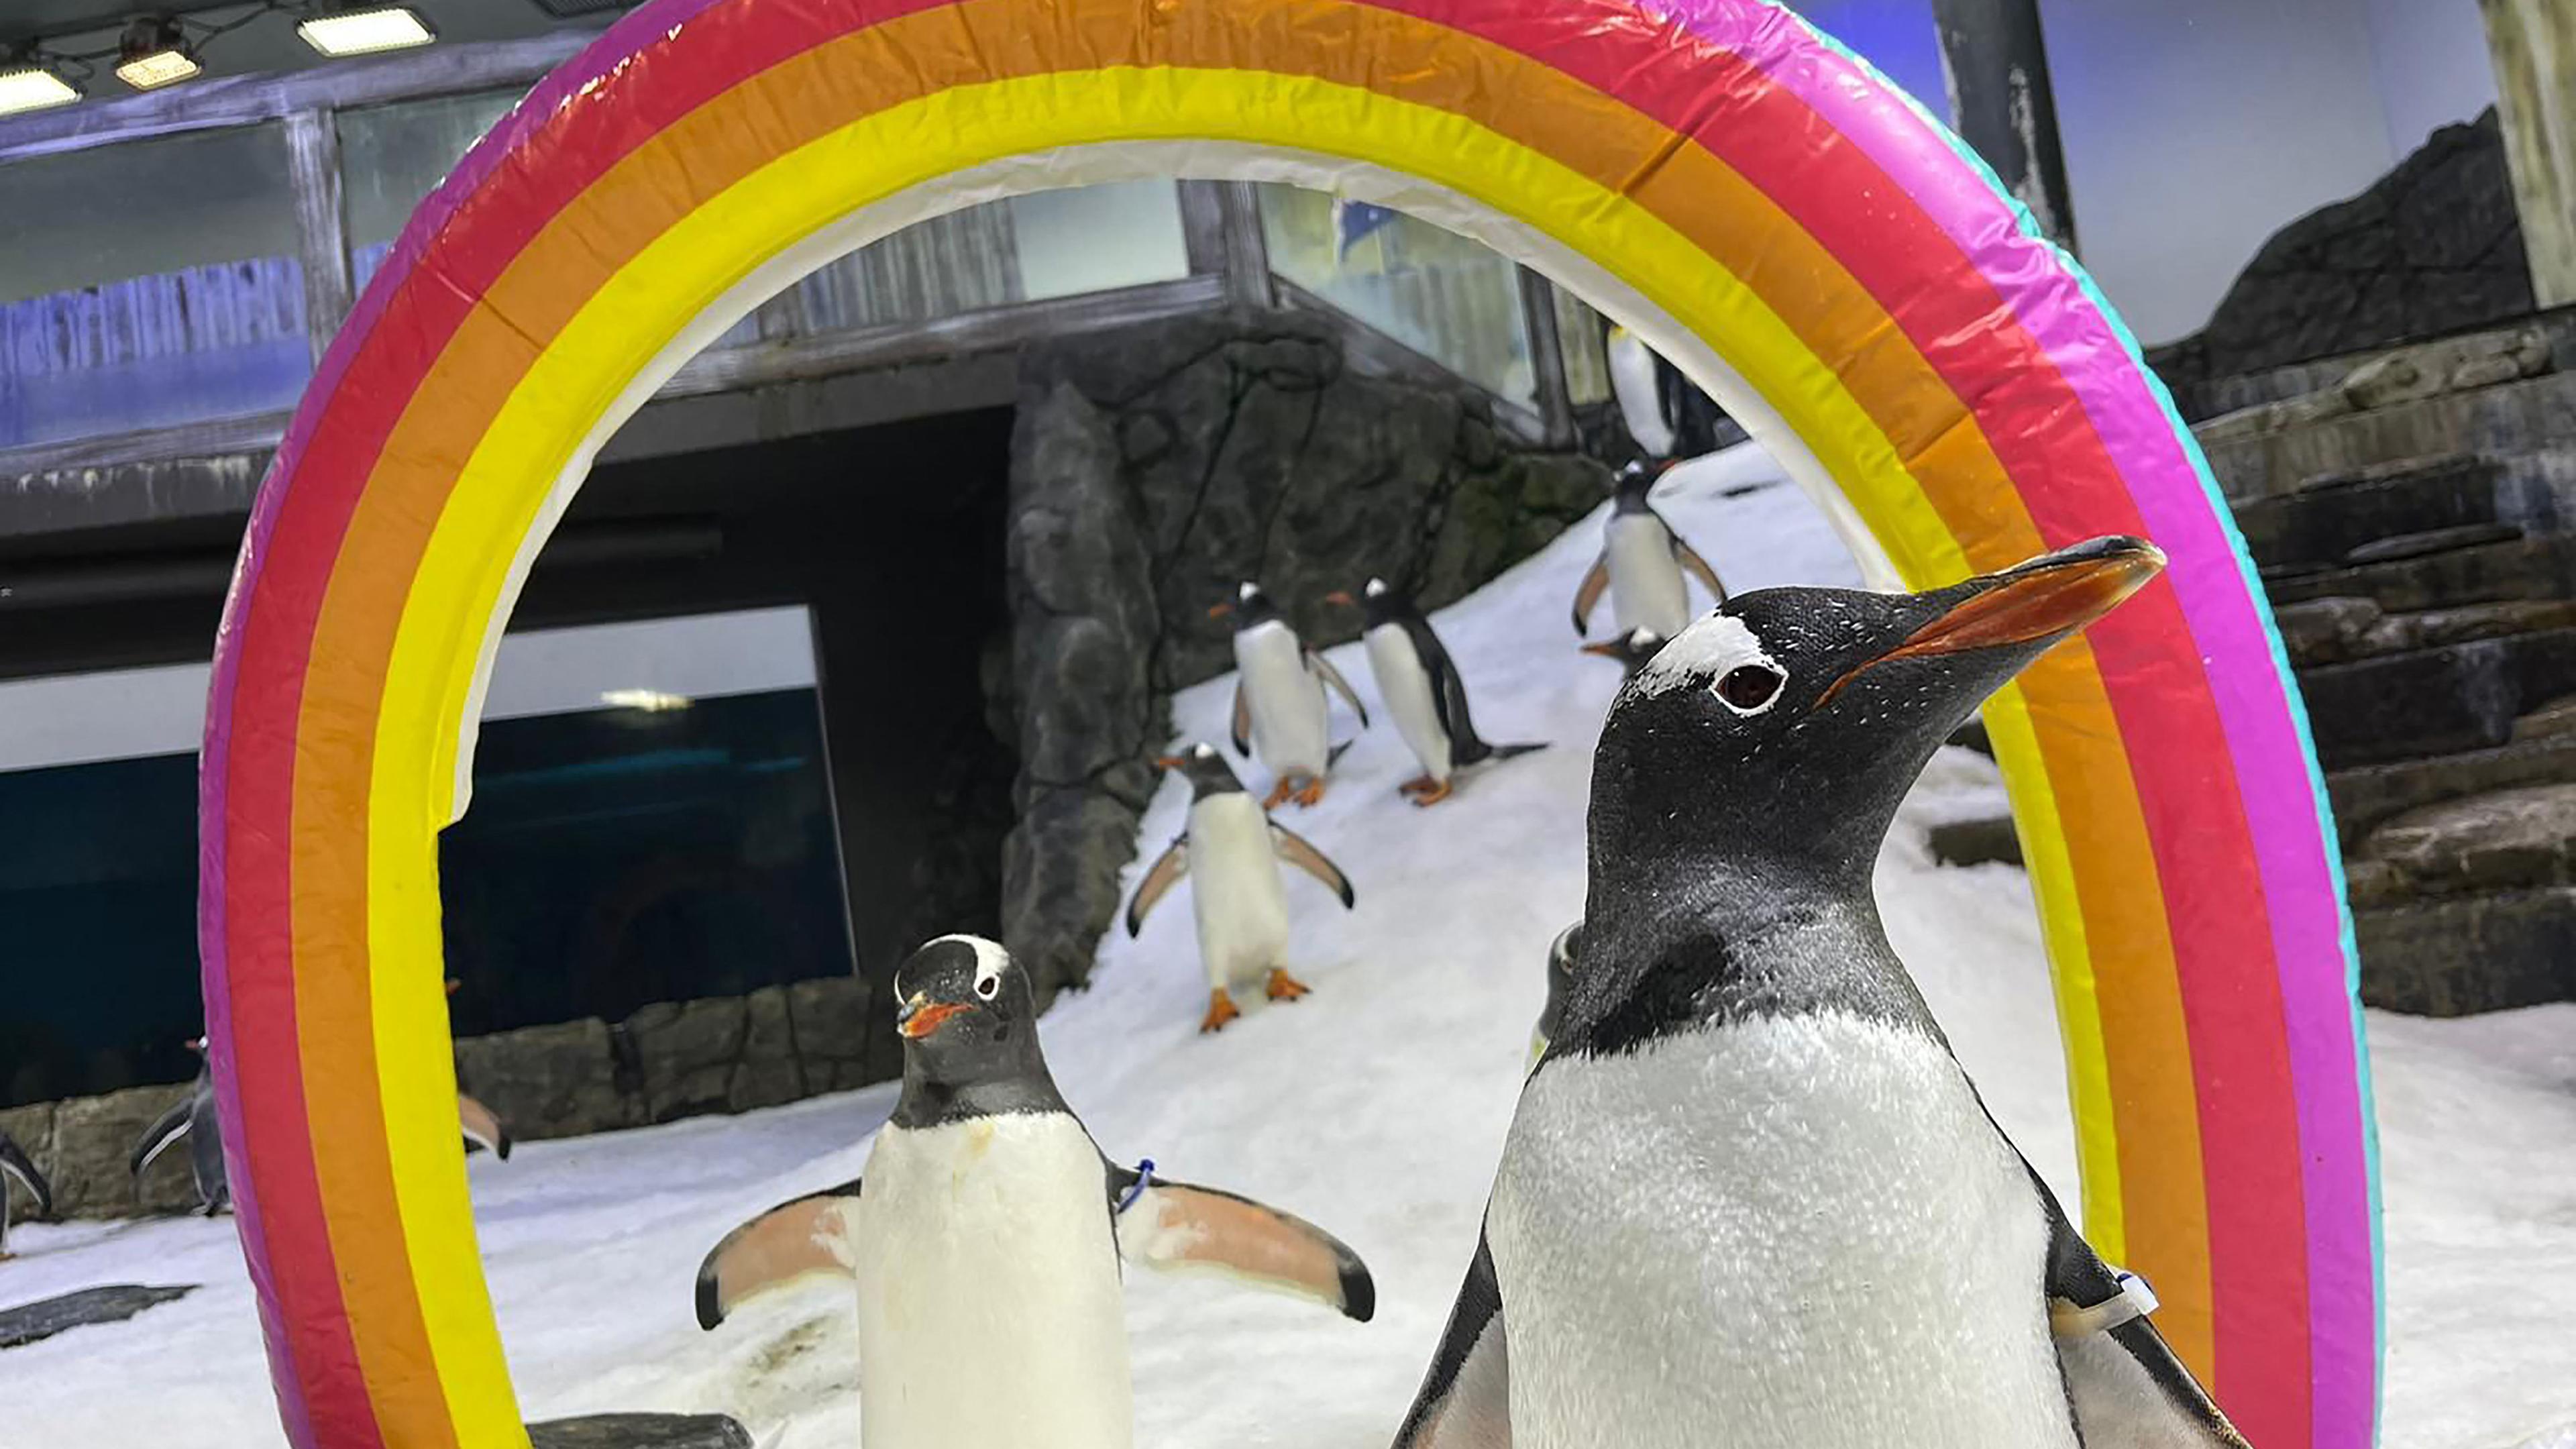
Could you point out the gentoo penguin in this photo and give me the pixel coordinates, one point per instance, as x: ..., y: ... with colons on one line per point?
x: 1279, y: 707
x: 987, y: 1234
x: 1419, y: 683
x: 1631, y: 649
x: 1633, y: 381
x: 1748, y: 1196
x: 1234, y: 848
x: 193, y: 1119
x: 15, y: 1166
x: 1641, y: 564
x: 1560, y: 986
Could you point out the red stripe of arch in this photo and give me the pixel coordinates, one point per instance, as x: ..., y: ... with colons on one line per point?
x: 2037, y: 427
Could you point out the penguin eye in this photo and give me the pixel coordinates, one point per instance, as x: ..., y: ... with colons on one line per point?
x: 1749, y: 687
x: 988, y: 987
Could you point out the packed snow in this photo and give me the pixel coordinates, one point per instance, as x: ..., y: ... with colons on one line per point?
x: 1376, y: 1106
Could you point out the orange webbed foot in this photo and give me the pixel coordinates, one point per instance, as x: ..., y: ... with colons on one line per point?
x: 1310, y: 794
x: 1437, y: 791
x: 1278, y: 795
x: 1221, y: 1009
x: 1284, y: 987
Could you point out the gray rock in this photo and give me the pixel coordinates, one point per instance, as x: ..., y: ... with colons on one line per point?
x: 549, y: 1081
x: 685, y: 1054
x: 2551, y: 723
x: 2325, y: 631
x: 640, y: 1431
x: 2432, y: 628
x: 2437, y: 540
x: 2509, y: 838
x: 2524, y: 568
x: 93, y: 1142
x: 114, y: 1303
x: 2434, y: 701
x: 2372, y: 883
x: 1976, y: 842
x: 2386, y: 380
x: 769, y: 1072
x: 2369, y: 796
x: 2475, y: 953
x: 831, y: 1018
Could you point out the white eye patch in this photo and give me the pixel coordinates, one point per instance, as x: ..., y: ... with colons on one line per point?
x: 990, y: 959
x: 1705, y: 654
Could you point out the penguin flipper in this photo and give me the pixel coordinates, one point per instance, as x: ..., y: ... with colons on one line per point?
x: 1697, y: 567
x: 14, y: 1163
x: 1465, y: 1398
x: 1325, y: 671
x: 1176, y: 1227
x: 482, y: 1128
x: 2125, y: 1387
x: 1596, y: 582
x: 166, y: 1129
x: 1242, y: 727
x: 1165, y: 873
x: 797, y: 1239
x: 1294, y: 849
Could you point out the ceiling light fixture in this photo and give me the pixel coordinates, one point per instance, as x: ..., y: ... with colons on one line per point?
x: 339, y: 32
x: 156, y: 53
x: 28, y: 83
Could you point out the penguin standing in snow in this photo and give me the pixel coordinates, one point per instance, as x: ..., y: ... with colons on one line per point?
x: 987, y: 1234
x: 1641, y: 565
x: 1233, y: 847
x: 1636, y: 383
x: 1280, y: 711
x: 1631, y: 649
x: 15, y: 1166
x: 191, y: 1117
x: 1419, y: 683
x: 1748, y: 1196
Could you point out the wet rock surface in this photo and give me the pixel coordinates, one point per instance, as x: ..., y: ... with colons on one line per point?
x: 641, y: 1431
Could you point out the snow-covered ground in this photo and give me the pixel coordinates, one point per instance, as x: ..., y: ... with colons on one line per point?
x: 1376, y: 1106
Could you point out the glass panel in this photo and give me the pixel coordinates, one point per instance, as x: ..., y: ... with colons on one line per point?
x: 1435, y: 291
x: 1048, y: 244
x: 149, y: 284
x: 1583, y: 335
x: 392, y: 156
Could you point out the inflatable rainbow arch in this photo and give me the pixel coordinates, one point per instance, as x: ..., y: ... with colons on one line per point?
x: 1756, y: 202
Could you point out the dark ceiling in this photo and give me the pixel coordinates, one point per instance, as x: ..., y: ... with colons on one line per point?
x: 264, y: 43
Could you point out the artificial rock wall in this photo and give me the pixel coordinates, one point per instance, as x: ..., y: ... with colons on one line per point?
x: 1155, y: 468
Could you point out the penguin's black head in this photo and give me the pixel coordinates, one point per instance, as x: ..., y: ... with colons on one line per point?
x: 1205, y: 769
x: 1248, y: 607
x: 1632, y: 482
x: 1379, y: 602
x: 1631, y: 649
x: 1786, y: 726
x: 966, y: 1012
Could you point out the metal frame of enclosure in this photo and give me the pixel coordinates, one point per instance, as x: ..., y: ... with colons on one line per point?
x: 1229, y: 266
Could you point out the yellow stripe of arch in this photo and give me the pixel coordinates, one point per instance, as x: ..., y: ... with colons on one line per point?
x: 497, y: 497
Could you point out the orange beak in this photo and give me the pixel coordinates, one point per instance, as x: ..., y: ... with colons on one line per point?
x: 1170, y: 762
x: 1606, y: 648
x: 1343, y: 598
x: 921, y: 1021
x: 1219, y: 611
x: 2037, y: 601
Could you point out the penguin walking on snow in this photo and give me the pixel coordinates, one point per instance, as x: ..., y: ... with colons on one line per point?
x: 1233, y: 848
x: 1420, y: 685
x: 1280, y: 711
x: 1641, y: 565
x: 987, y: 1234
x: 1631, y: 649
x: 1748, y: 1196
x: 15, y: 1166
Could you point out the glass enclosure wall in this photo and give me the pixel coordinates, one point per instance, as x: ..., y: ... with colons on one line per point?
x: 651, y: 821
x: 1026, y: 249
x: 149, y: 284
x: 1436, y: 292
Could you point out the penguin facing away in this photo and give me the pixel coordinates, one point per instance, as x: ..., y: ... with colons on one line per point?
x: 1641, y: 565
x: 1819, y: 1237
x: 15, y: 1166
x: 987, y: 1235
x: 1233, y: 849
x: 1631, y: 649
x: 1640, y: 394
x: 1280, y: 711
x: 1421, y: 687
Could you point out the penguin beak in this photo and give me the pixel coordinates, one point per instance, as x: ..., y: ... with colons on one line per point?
x: 2040, y: 601
x: 1219, y: 611
x: 1170, y: 762
x: 1343, y: 598
x: 920, y: 1018
x: 1606, y: 648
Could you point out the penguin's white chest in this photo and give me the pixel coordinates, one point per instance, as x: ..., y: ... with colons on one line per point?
x: 990, y: 1313
x: 1287, y: 702
x: 1236, y: 895
x: 1646, y: 589
x: 1406, y: 686
x: 1797, y: 1233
